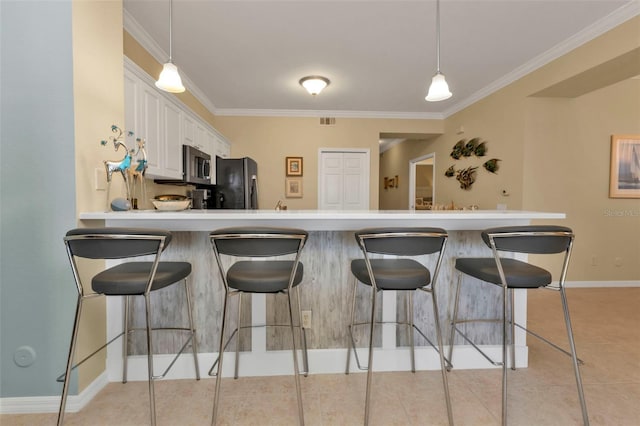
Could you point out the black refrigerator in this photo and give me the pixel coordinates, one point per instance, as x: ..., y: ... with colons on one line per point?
x: 236, y: 183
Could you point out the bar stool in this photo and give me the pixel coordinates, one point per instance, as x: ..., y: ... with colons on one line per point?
x: 126, y: 279
x: 513, y: 274
x: 264, y: 275
x: 401, y: 273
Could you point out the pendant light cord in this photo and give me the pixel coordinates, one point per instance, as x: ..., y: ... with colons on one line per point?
x: 437, y: 37
x: 170, y: 30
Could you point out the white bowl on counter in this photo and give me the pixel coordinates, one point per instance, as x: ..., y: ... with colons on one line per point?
x: 171, y: 203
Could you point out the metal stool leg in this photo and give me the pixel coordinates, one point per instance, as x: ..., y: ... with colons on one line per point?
x: 303, y: 336
x: 237, y: 366
x: 194, y: 341
x: 295, y: 361
x: 454, y: 319
x: 410, y: 320
x: 216, y: 397
x: 574, y: 357
x: 152, y: 402
x: 513, y: 328
x: 125, y: 340
x: 443, y: 365
x: 505, y: 299
x: 350, y: 342
x: 72, y: 348
x: 370, y: 365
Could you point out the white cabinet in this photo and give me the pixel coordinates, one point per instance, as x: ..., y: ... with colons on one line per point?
x: 172, y: 140
x: 201, y: 139
x: 148, y: 127
x: 131, y: 103
x: 210, y: 143
x: 223, y: 147
x: 166, y: 124
x: 189, y: 130
x: 196, y: 134
x: 149, y: 116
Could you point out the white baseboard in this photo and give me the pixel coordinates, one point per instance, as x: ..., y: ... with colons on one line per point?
x: 602, y: 284
x: 51, y: 404
x: 321, y: 361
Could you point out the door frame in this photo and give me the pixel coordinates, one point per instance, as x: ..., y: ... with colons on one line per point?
x: 412, y: 179
x: 365, y: 151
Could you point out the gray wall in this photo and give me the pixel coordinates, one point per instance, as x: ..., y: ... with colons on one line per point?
x: 37, y: 193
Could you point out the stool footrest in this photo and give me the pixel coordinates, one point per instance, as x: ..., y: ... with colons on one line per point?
x: 60, y: 378
x: 355, y: 350
x: 548, y: 342
x: 175, y: 358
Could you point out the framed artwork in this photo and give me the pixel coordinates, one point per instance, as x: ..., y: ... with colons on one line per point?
x: 294, y: 166
x: 624, y: 178
x: 293, y: 187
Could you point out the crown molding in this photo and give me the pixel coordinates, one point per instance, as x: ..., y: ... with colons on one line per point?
x: 327, y: 113
x: 615, y: 18
x: 150, y: 45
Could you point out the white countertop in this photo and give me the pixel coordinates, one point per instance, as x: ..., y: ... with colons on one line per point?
x: 318, y: 220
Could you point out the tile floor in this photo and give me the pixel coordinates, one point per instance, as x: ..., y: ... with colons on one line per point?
x: 607, y: 328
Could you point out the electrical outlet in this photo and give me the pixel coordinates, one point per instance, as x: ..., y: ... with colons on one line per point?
x: 306, y: 319
x: 618, y: 261
x: 594, y: 260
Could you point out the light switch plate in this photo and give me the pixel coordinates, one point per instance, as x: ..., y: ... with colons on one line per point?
x: 100, y: 179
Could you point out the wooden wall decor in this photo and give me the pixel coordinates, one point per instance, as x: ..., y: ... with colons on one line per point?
x: 473, y: 147
x: 392, y: 182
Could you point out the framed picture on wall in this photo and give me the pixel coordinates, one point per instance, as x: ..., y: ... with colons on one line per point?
x: 293, y: 187
x: 294, y: 166
x: 624, y: 178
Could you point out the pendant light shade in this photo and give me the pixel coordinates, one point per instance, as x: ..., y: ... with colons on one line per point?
x: 169, y: 79
x: 439, y: 89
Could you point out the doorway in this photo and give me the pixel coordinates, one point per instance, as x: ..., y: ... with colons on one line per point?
x: 422, y: 179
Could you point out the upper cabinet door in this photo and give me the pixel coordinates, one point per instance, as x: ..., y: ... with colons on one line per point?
x: 172, y: 120
x: 223, y: 148
x: 149, y: 128
x: 131, y: 105
x: 189, y: 130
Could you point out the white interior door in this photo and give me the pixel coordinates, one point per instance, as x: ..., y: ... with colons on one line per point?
x: 343, y: 183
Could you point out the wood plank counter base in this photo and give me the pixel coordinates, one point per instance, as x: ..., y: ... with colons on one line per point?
x: 325, y: 291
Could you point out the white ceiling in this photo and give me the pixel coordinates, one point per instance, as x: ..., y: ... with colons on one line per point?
x: 246, y: 57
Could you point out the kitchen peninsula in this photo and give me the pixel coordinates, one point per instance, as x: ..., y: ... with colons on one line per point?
x: 325, y: 290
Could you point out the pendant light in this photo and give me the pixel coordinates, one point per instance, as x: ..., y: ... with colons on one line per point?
x: 439, y: 89
x: 169, y: 79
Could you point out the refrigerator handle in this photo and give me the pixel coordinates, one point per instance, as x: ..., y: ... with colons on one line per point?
x: 254, y: 192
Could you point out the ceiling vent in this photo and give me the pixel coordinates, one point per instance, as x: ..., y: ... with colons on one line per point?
x: 327, y: 121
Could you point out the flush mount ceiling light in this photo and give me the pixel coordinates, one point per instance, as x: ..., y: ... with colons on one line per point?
x: 169, y: 79
x: 439, y: 89
x: 314, y: 84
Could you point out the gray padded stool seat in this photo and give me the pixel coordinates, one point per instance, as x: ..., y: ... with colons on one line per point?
x: 263, y: 277
x: 267, y: 273
x: 126, y: 279
x: 510, y: 274
x: 402, y: 272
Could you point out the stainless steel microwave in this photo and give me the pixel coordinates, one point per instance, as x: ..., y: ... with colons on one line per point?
x: 196, y: 166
